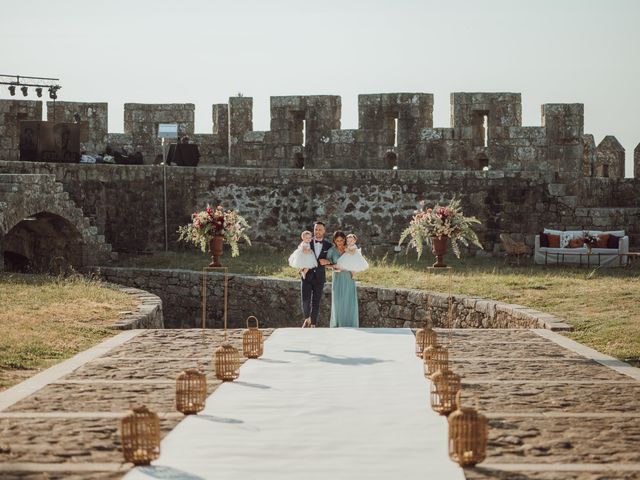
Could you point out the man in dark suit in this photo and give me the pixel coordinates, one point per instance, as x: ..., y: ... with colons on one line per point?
x: 312, y: 284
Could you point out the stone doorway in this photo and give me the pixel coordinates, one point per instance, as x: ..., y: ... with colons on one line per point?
x: 44, y: 242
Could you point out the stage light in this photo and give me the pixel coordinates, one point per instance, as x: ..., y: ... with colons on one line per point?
x: 25, y: 91
x: 52, y: 93
x: 12, y: 90
x: 39, y: 92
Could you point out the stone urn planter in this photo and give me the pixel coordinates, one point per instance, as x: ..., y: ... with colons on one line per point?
x: 216, y: 245
x: 439, y: 249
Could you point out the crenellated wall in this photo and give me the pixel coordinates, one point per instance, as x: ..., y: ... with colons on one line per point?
x: 395, y: 130
x: 12, y: 112
x: 94, y: 122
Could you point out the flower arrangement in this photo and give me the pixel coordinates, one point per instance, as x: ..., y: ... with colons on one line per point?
x: 210, y: 223
x: 441, y: 221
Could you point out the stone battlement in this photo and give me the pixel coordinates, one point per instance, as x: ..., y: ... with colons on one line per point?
x: 395, y: 130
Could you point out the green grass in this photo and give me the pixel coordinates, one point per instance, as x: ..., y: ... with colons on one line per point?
x: 46, y: 319
x: 601, y: 304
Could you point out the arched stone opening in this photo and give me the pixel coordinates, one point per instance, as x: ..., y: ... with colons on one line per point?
x: 44, y: 242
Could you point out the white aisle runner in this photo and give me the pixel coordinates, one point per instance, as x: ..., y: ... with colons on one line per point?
x: 320, y: 404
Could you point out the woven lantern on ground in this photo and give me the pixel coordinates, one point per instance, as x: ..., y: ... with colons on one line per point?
x: 227, y: 362
x: 252, y: 340
x: 425, y: 337
x: 435, y: 358
x: 140, y: 435
x: 444, y: 388
x: 467, y: 436
x: 191, y: 391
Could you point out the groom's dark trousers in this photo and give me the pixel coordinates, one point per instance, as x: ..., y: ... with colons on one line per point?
x: 312, y: 284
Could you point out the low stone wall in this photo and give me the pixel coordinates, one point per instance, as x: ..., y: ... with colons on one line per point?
x: 148, y: 314
x: 276, y: 303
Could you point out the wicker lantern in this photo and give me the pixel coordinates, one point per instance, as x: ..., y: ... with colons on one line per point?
x: 140, y: 434
x: 467, y: 436
x: 425, y: 337
x: 444, y: 388
x: 252, y: 340
x: 435, y: 358
x: 191, y: 391
x: 227, y: 362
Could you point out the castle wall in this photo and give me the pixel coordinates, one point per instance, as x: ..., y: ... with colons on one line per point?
x: 395, y: 131
x: 141, y: 125
x: 609, y: 158
x: 12, y: 112
x: 125, y: 203
x: 94, y: 122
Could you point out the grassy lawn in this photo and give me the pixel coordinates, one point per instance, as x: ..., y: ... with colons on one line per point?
x: 45, y: 320
x: 601, y: 304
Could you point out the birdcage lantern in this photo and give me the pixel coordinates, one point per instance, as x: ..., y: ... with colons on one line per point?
x: 140, y: 436
x: 226, y: 361
x: 445, y: 385
x: 468, y: 433
x: 252, y: 340
x: 191, y: 391
x: 425, y: 337
x: 435, y: 358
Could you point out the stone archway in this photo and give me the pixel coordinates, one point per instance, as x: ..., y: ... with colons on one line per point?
x: 42, y: 229
x: 44, y: 242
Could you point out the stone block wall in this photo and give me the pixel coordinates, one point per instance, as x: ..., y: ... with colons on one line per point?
x: 589, y: 155
x: 609, y: 158
x: 141, y: 125
x: 275, y: 302
x: 125, y: 203
x: 636, y: 162
x: 395, y: 131
x: 12, y: 112
x: 94, y: 122
x: 564, y: 124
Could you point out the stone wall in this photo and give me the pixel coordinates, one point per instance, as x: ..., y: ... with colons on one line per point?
x: 42, y: 230
x: 395, y: 130
x: 609, y: 159
x: 94, y: 122
x: 276, y: 303
x: 125, y: 203
x: 12, y: 112
x: 148, y: 314
x: 636, y: 162
x: 141, y: 125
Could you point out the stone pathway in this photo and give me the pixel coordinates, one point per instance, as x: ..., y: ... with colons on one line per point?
x: 554, y: 413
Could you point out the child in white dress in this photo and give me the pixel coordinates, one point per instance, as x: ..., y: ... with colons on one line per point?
x: 352, y: 259
x: 303, y: 258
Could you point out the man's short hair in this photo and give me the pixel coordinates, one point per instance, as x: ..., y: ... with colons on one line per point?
x: 319, y: 223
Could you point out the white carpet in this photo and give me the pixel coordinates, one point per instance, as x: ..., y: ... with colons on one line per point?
x: 320, y: 404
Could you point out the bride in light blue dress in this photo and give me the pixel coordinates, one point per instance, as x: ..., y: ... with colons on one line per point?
x: 344, y: 297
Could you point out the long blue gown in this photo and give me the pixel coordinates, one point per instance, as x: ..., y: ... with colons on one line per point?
x: 344, y: 297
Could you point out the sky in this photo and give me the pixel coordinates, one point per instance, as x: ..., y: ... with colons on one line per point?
x: 203, y: 52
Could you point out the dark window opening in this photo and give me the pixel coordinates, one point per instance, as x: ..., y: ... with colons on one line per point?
x: 298, y: 160
x: 483, y: 163
x: 391, y: 159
